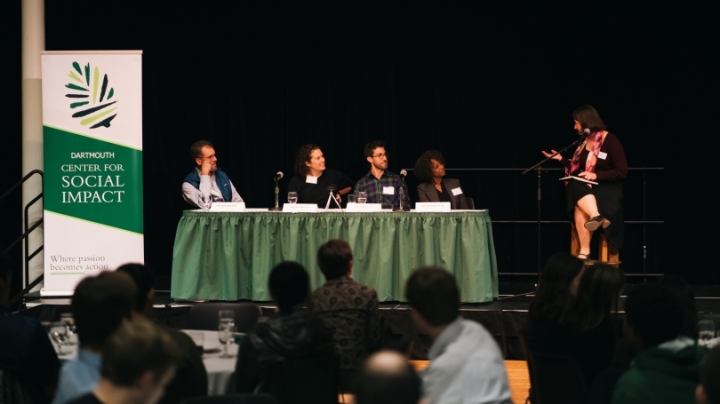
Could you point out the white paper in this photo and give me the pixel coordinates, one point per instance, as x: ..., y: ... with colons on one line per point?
x: 602, y: 155
x: 433, y: 206
x: 310, y: 179
x: 456, y: 191
x: 363, y: 207
x: 227, y: 207
x: 300, y: 207
x: 388, y: 190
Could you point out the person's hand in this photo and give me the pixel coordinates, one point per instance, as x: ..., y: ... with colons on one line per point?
x: 338, y: 197
x: 205, y: 167
x: 557, y: 157
x: 588, y: 176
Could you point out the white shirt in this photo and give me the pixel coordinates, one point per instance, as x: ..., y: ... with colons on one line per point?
x: 466, y: 367
x: 208, y: 186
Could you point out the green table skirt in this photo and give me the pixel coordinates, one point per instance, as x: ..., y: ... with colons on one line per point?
x: 229, y: 256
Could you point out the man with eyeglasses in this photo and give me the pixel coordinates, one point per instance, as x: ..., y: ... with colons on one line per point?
x: 207, y: 182
x: 382, y: 186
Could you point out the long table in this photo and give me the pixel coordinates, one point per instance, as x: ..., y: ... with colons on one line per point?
x: 228, y: 256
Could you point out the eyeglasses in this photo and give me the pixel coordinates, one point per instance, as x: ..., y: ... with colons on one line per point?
x: 380, y: 155
x: 212, y: 156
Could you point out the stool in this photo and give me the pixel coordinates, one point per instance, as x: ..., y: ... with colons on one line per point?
x: 607, y: 252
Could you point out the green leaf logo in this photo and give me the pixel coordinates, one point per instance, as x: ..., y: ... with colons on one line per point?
x: 91, y: 105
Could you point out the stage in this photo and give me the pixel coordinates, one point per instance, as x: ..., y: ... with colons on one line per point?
x: 504, y: 317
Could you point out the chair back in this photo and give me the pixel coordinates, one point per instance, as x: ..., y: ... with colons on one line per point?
x: 204, y: 316
x: 470, y: 202
x: 555, y: 379
x: 11, y: 392
x: 310, y: 380
x: 232, y: 399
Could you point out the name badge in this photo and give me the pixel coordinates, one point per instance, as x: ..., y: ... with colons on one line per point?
x: 310, y: 179
x: 388, y: 190
x: 602, y: 155
x: 456, y: 191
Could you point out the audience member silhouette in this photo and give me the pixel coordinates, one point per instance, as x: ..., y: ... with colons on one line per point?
x: 292, y: 333
x: 191, y: 378
x: 28, y: 361
x: 708, y: 392
x: 349, y: 308
x: 387, y: 378
x: 138, y: 362
x: 667, y: 369
x: 466, y: 364
x: 99, y: 305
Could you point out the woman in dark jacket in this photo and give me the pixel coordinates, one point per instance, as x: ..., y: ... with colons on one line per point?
x: 430, y: 168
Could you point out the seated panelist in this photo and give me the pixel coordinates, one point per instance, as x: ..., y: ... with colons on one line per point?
x: 207, y: 182
x: 312, y: 180
x: 430, y: 168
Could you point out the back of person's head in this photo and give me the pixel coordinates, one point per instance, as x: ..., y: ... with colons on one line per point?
x: 708, y: 392
x: 5, y: 277
x: 655, y: 313
x: 598, y: 295
x: 678, y: 285
x: 434, y: 294
x: 289, y: 285
x: 137, y: 347
x: 335, y: 258
x: 553, y: 291
x: 387, y: 378
x: 144, y: 278
x: 99, y: 305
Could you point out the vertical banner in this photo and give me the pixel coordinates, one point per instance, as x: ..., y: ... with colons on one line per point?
x: 92, y: 141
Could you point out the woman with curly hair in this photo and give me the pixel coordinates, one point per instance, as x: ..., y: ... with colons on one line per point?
x: 430, y: 168
x: 312, y: 180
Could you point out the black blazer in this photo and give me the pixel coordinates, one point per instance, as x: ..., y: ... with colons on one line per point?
x: 428, y: 193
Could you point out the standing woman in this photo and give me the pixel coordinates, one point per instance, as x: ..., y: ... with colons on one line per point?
x: 600, y: 158
x: 311, y: 180
x: 430, y: 168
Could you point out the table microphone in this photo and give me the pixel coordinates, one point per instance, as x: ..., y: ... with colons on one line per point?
x: 277, y: 177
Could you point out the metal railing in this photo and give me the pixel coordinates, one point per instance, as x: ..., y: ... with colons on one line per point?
x: 539, y: 222
x: 27, y: 229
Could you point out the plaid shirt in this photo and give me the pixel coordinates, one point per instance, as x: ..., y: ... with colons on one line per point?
x: 374, y: 188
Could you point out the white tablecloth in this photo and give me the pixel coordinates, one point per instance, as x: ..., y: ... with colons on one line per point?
x: 221, y: 371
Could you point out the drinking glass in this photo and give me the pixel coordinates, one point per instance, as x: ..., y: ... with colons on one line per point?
x: 225, y: 336
x: 352, y: 198
x: 706, y: 330
x: 226, y: 316
x: 361, y: 197
x: 206, y: 202
x: 59, y: 334
x: 67, y: 319
x: 292, y: 197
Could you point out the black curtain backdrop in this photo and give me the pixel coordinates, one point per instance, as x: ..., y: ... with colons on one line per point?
x: 489, y: 84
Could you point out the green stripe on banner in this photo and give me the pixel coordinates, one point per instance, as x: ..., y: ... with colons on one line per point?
x: 93, y: 180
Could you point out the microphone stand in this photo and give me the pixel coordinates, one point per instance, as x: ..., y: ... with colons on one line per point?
x: 401, y: 192
x: 331, y: 196
x: 538, y: 168
x: 277, y: 196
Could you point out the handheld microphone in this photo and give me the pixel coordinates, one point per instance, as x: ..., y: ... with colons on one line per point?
x: 403, y: 173
x: 279, y: 175
x: 585, y: 133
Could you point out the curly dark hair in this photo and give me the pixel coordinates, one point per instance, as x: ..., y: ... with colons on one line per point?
x: 302, y: 157
x: 423, y: 165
